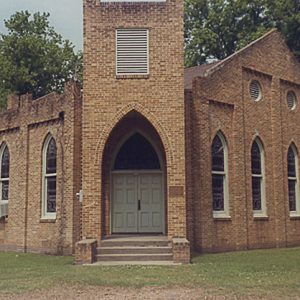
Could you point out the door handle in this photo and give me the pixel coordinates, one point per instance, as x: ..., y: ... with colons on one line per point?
x: 139, y: 204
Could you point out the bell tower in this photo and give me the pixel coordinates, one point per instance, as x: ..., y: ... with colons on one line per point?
x: 133, y: 71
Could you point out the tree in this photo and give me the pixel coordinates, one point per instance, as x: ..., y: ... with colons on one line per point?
x: 214, y: 29
x: 34, y: 58
x: 286, y: 16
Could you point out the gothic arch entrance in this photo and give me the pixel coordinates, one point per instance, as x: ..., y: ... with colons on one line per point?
x: 137, y: 188
x: 133, y: 179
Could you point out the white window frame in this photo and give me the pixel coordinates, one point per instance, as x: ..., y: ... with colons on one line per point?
x: 262, y: 213
x: 295, y: 213
x: 116, y: 45
x: 223, y: 213
x: 45, y: 176
x: 3, y: 147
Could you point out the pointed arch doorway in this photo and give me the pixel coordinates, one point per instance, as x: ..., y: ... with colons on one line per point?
x: 137, y: 187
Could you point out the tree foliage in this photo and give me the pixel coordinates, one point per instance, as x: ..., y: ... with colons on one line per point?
x: 214, y: 29
x: 34, y: 58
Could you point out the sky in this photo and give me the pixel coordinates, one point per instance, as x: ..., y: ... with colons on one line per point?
x: 65, y: 15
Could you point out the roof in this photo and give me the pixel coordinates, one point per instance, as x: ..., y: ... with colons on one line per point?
x: 207, y: 69
x: 191, y: 73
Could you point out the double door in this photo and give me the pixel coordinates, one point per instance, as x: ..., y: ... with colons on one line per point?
x: 137, y: 203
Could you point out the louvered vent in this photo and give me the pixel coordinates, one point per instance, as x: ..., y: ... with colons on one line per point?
x: 291, y: 100
x: 255, y: 90
x: 132, y: 51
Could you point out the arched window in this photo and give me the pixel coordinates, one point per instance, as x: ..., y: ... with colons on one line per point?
x: 258, y: 181
x: 4, y: 178
x: 293, y: 187
x: 219, y: 167
x: 49, y: 178
x: 137, y: 153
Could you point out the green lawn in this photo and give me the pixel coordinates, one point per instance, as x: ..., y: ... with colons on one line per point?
x: 257, y: 273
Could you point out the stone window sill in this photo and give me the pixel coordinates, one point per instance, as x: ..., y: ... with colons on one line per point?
x: 221, y: 217
x: 295, y: 217
x: 261, y: 217
x: 47, y: 220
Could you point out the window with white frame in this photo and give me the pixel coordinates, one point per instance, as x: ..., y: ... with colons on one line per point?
x: 132, y: 52
x: 49, y: 178
x: 4, y: 178
x: 293, y: 185
x: 219, y: 173
x: 258, y: 180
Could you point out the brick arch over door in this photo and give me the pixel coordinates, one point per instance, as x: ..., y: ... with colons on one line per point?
x: 121, y: 114
x: 132, y: 122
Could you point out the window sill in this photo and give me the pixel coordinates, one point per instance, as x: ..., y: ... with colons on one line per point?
x: 221, y: 217
x: 260, y: 216
x: 133, y: 76
x: 295, y: 216
x: 48, y: 220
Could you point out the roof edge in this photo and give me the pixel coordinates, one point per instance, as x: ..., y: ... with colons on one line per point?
x: 233, y: 55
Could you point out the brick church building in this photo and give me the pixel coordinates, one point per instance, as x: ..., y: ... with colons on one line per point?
x: 151, y: 157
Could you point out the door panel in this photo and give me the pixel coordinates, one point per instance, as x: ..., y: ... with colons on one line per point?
x: 128, y: 189
x: 150, y: 195
x: 124, y: 216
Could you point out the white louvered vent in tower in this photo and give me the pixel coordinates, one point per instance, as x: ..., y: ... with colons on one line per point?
x: 132, y: 52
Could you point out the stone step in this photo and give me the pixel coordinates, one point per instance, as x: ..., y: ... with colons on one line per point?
x: 134, y: 250
x: 124, y: 242
x: 135, y: 257
x: 138, y: 263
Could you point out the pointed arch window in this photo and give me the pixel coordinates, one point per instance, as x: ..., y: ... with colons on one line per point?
x: 293, y: 185
x: 219, y: 173
x: 258, y: 180
x: 137, y: 153
x: 4, y: 178
x: 49, y: 178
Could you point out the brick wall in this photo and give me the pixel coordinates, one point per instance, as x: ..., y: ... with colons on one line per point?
x: 24, y: 127
x: 221, y: 101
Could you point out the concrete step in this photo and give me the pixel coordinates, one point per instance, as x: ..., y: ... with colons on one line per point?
x: 135, y: 257
x: 139, y: 263
x: 134, y: 250
x: 135, y: 242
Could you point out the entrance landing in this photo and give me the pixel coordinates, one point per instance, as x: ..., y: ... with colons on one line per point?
x: 135, y: 249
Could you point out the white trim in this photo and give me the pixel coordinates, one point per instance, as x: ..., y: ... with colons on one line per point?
x: 2, y: 148
x: 295, y: 213
x: 44, y: 214
x: 262, y: 213
x: 224, y: 213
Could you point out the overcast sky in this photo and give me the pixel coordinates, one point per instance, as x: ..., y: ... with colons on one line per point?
x: 65, y: 15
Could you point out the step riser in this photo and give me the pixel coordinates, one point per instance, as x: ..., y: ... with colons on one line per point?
x: 135, y: 258
x: 134, y: 244
x: 157, y: 250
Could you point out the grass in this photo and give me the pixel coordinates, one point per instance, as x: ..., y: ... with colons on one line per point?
x: 256, y: 273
